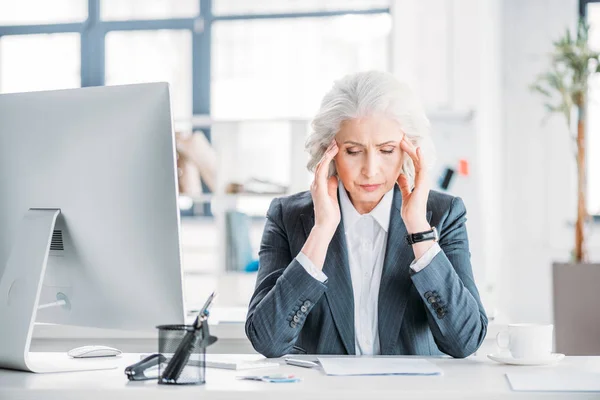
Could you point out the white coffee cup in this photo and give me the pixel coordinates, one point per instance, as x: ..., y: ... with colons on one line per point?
x: 527, y: 340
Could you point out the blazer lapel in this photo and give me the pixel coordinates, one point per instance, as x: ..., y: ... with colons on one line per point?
x: 339, y: 293
x: 395, y: 278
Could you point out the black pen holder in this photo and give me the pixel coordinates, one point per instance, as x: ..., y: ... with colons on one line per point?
x: 193, y: 371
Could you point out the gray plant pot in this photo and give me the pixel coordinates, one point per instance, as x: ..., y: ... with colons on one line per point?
x: 576, y: 308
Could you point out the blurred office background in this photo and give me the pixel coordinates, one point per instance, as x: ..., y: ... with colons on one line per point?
x: 247, y: 76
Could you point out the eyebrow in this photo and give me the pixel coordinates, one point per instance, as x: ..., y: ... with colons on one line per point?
x: 362, y: 145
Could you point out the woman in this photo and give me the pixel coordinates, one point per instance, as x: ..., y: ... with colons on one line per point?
x: 370, y: 261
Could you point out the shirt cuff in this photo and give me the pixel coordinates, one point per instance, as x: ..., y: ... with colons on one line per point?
x: 310, y: 267
x: 425, y: 260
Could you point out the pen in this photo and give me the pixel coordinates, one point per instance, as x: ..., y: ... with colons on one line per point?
x: 301, y: 363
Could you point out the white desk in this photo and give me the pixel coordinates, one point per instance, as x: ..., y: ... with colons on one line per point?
x: 471, y: 378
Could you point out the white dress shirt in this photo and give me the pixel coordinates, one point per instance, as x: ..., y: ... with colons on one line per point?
x: 366, y: 239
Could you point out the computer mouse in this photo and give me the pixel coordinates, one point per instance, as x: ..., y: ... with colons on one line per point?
x: 93, y: 351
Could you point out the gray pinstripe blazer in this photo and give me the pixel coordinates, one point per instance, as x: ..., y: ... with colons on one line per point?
x: 434, y: 311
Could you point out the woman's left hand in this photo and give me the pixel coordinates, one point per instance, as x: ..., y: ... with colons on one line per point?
x: 414, y: 203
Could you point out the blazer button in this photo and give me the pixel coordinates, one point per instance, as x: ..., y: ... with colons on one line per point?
x: 296, y: 318
x: 307, y: 303
x: 304, y: 309
x: 293, y: 324
x: 299, y: 313
x: 427, y: 295
x: 431, y: 299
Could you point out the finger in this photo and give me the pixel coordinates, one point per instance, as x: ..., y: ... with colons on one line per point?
x: 421, y: 173
x: 406, y: 144
x: 332, y: 186
x: 422, y: 183
x: 402, y: 140
x: 324, y: 156
x: 318, y: 168
x: 323, y: 167
x: 421, y: 157
x: 410, y: 149
x: 404, y: 186
x: 330, y: 153
x: 318, y: 174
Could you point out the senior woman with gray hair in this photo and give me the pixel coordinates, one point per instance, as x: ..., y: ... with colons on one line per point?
x: 370, y: 261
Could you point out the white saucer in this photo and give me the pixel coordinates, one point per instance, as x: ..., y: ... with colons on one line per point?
x: 506, y: 358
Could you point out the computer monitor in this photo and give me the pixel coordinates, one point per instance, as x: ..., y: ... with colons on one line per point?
x: 89, y: 221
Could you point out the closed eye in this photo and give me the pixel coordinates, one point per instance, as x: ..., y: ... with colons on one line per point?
x: 353, y: 153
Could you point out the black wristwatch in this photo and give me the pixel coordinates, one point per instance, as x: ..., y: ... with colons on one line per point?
x: 413, y: 238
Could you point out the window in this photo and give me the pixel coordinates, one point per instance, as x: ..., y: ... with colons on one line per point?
x: 593, y: 132
x: 148, y: 9
x: 30, y: 12
x: 152, y: 56
x: 39, y: 62
x: 281, y: 68
x: 289, y: 6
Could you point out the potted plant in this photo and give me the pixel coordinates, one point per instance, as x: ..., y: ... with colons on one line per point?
x: 564, y: 87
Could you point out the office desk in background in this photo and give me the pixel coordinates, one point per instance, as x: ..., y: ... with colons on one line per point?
x: 471, y: 378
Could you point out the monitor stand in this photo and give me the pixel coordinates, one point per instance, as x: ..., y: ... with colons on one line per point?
x: 20, y: 288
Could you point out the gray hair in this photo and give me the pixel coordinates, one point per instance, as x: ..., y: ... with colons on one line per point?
x: 363, y: 94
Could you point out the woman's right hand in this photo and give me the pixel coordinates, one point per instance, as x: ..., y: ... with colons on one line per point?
x: 324, y: 193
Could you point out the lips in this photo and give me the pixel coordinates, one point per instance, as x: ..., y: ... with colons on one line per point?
x: 370, y: 188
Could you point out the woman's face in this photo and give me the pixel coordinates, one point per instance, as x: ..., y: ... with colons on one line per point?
x: 369, y: 160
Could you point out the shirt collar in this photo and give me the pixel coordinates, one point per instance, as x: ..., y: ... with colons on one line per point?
x: 381, y: 213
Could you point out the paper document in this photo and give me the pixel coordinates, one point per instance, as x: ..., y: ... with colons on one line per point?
x: 378, y: 366
x: 239, y: 361
x: 554, y: 381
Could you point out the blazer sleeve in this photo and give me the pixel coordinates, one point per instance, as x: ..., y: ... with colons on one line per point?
x: 284, y: 294
x: 455, y: 313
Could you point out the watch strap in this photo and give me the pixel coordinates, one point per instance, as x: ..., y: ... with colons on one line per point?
x: 418, y: 237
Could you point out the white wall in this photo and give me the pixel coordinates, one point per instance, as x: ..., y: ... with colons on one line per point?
x: 540, y: 170
x: 449, y: 51
x: 485, y: 55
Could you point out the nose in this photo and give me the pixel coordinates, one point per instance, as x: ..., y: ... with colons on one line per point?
x: 370, y: 166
